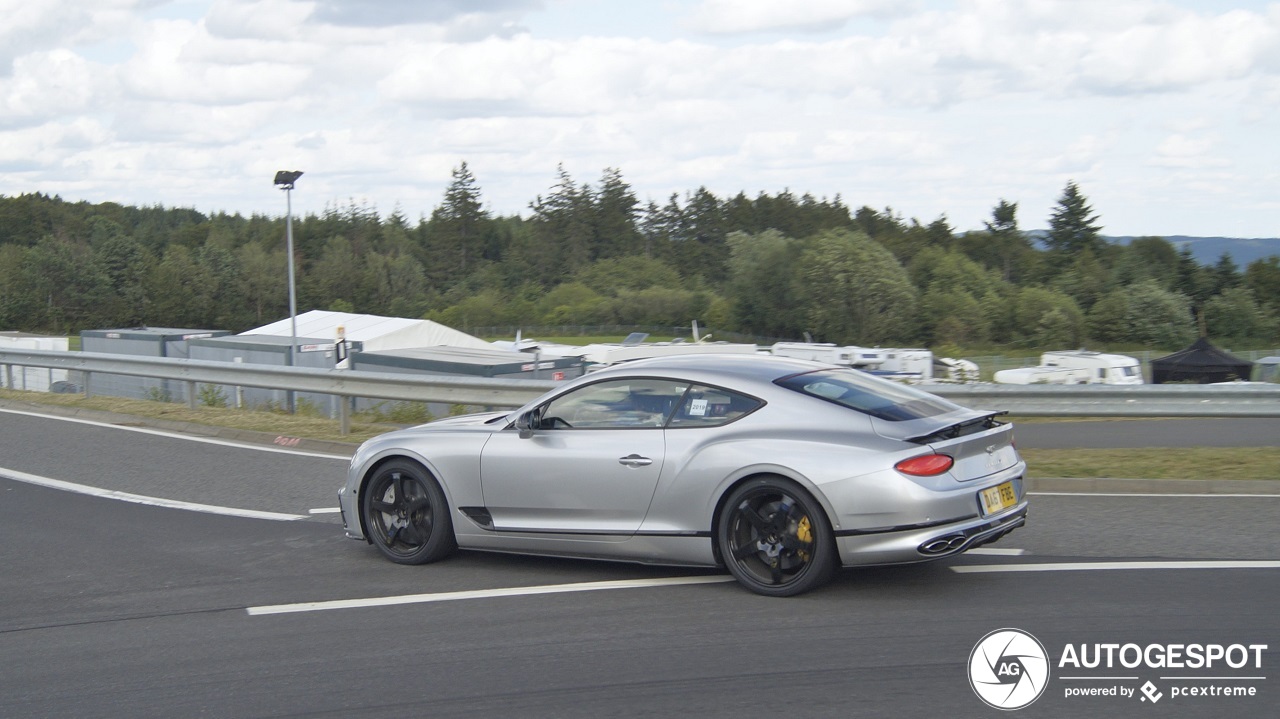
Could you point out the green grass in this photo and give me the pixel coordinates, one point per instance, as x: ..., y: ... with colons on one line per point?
x: 277, y: 423
x: 1156, y: 463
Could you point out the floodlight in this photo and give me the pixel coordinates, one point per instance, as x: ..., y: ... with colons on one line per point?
x: 286, y: 178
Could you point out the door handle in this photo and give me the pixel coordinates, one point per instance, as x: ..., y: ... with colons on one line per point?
x: 635, y: 460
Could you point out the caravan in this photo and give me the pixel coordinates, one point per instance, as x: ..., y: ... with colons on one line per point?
x: 905, y: 365
x: 1104, y: 368
x: 1043, y: 375
x: 847, y: 356
x: 921, y: 365
x: 1076, y: 367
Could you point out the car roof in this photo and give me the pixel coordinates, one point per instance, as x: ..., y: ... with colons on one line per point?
x: 718, y: 367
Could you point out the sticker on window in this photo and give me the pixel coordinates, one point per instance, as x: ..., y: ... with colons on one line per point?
x: 698, y: 408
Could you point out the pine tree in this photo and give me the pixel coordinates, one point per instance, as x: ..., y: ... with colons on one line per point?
x: 563, y: 235
x: 1073, y: 227
x: 615, y: 218
x: 457, y: 226
x: 1008, y: 248
x: 1225, y: 274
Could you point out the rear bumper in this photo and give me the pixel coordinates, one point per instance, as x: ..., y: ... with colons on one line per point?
x: 923, y: 543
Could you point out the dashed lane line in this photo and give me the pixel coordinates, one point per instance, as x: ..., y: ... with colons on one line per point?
x: 1201, y: 495
x: 485, y: 594
x: 1096, y: 566
x: 998, y: 551
x: 302, y: 607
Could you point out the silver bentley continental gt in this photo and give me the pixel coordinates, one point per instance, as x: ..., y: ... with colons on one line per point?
x: 779, y: 470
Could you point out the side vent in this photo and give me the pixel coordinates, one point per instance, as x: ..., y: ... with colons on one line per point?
x: 479, y: 515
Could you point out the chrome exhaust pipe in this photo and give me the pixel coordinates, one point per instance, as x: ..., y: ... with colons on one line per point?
x: 942, y: 545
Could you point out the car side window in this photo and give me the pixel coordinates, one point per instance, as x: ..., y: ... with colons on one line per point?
x: 711, y: 406
x: 624, y: 403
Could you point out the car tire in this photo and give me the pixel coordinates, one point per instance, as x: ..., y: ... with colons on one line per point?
x: 406, y: 515
x: 775, y: 538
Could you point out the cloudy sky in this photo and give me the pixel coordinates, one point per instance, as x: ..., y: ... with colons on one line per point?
x: 1166, y: 113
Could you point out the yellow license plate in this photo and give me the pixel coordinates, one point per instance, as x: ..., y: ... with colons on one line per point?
x: 998, y: 498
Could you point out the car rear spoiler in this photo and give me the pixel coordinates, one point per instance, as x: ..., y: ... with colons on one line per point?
x: 961, y: 428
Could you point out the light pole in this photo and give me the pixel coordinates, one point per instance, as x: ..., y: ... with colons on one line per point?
x: 284, y: 180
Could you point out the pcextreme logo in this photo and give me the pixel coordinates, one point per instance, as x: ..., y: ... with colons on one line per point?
x: 1008, y: 669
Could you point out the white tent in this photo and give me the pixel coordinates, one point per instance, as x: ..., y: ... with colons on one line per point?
x: 377, y: 333
x: 33, y: 379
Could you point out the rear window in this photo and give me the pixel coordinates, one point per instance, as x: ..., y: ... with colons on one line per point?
x: 859, y: 391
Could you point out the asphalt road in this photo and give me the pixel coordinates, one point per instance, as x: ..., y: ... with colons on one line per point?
x: 117, y: 609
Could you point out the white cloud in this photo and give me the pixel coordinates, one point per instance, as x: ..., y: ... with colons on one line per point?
x: 756, y: 16
x: 1179, y: 150
x: 411, y: 12
x: 270, y: 20
x: 31, y: 26
x: 177, y: 62
x: 935, y: 108
x: 1186, y: 52
x: 47, y: 85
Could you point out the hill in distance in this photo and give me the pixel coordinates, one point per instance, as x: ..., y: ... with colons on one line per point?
x: 1207, y: 250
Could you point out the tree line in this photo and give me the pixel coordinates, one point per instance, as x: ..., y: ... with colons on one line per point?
x: 775, y: 265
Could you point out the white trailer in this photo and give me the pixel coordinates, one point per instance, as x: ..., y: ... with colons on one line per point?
x: 847, y: 356
x: 602, y: 355
x: 949, y: 369
x: 1104, y: 368
x: 1043, y: 375
x: 908, y: 362
x: 921, y: 365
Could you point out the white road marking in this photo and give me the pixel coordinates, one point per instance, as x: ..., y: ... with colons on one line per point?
x: 188, y: 437
x: 1213, y: 495
x: 1087, y: 566
x: 142, y: 499
x: 998, y: 552
x: 485, y: 594
x: 324, y: 510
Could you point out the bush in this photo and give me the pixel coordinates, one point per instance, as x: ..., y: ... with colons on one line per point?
x: 212, y: 395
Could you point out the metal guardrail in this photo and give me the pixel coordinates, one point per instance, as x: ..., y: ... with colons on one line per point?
x: 1022, y: 400
x: 480, y: 391
x: 1098, y: 400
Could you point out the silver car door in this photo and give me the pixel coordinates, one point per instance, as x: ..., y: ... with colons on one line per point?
x: 591, y: 466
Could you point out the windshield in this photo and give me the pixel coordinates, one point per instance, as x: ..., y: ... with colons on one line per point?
x: 862, y: 392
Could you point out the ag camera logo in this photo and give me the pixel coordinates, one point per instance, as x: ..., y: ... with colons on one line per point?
x: 1008, y: 669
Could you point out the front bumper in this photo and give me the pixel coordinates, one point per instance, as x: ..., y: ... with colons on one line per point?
x: 902, y: 545
x: 347, y: 503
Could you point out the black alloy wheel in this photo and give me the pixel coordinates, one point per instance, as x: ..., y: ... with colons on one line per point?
x: 406, y: 515
x: 775, y: 538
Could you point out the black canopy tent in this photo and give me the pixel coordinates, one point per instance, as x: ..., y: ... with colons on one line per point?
x: 1200, y: 363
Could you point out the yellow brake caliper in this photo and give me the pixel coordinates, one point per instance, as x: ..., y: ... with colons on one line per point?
x: 804, y: 532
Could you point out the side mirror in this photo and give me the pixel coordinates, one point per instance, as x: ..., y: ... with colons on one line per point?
x: 528, y: 422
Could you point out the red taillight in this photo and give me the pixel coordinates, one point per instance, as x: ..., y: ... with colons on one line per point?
x: 927, y: 465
